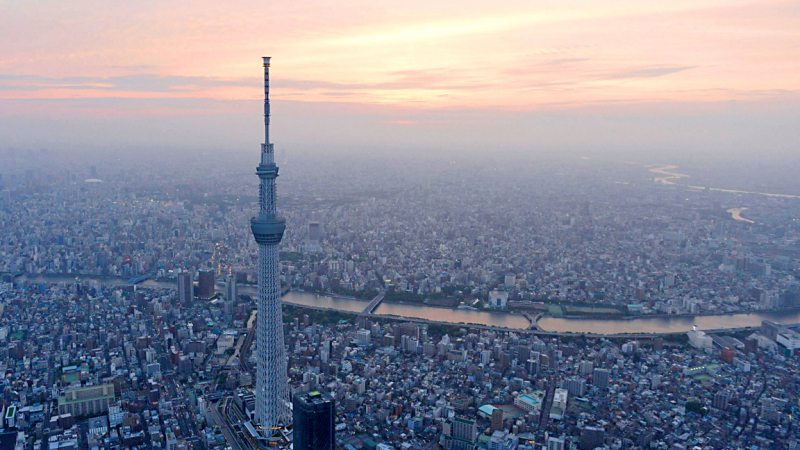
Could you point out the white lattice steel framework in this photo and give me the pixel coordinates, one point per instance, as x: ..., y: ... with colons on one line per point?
x: 272, y: 389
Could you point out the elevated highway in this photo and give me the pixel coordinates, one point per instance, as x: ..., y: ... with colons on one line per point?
x: 534, y: 326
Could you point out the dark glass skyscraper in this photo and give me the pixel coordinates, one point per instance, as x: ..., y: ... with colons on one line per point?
x: 205, y: 284
x: 314, y: 421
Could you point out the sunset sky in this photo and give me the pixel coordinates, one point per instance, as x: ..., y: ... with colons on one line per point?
x: 536, y: 74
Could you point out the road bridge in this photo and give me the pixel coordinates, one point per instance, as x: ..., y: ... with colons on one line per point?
x: 534, y: 326
x: 373, y: 304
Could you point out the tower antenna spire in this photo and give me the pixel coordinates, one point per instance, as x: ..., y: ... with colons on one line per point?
x: 266, y: 99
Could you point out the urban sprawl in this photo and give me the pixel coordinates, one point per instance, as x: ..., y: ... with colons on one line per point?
x: 127, y: 304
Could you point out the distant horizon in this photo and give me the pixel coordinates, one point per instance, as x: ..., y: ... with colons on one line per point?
x: 751, y: 174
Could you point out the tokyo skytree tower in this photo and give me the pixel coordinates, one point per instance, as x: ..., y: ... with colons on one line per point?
x: 272, y: 388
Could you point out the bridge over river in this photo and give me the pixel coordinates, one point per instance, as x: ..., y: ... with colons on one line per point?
x: 634, y: 327
x: 373, y: 304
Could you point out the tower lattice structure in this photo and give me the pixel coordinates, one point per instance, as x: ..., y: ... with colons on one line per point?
x: 272, y: 389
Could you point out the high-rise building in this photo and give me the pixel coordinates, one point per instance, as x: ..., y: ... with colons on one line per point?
x: 272, y: 387
x: 231, y: 294
x: 205, y: 284
x: 497, y: 419
x: 750, y: 346
x: 728, y: 354
x: 459, y: 434
x: 523, y: 353
x: 314, y: 421
x: 185, y: 288
x: 592, y: 437
x: 532, y: 366
x: 601, y: 378
x: 722, y: 399
x: 314, y: 231
x: 576, y: 386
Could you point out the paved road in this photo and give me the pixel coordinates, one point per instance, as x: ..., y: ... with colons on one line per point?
x: 244, y: 337
x: 755, y: 406
x: 223, y: 425
x: 547, y: 404
x: 373, y: 304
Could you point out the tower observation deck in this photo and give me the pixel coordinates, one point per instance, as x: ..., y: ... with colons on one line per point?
x: 272, y: 389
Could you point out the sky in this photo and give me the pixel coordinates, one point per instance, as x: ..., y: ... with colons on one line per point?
x: 709, y: 77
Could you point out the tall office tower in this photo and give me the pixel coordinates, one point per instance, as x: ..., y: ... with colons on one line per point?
x: 486, y: 357
x: 532, y: 367
x: 314, y: 421
x: 272, y: 387
x: 523, y: 353
x: 231, y: 294
x: 314, y: 231
x: 185, y: 288
x: 205, y: 284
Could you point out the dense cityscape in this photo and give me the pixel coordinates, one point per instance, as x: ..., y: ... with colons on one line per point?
x: 129, y: 305
x: 565, y: 234
x: 448, y: 225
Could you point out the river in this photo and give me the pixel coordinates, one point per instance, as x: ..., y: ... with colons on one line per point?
x: 736, y: 214
x: 497, y: 319
x: 660, y: 324
x: 324, y: 301
x: 668, y: 178
x: 300, y: 298
x: 665, y: 324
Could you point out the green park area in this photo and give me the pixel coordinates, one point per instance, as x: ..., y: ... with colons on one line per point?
x: 593, y: 310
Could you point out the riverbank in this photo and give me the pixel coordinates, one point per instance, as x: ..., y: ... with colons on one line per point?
x: 331, y: 294
x: 667, y: 324
x: 663, y: 316
x: 637, y: 326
